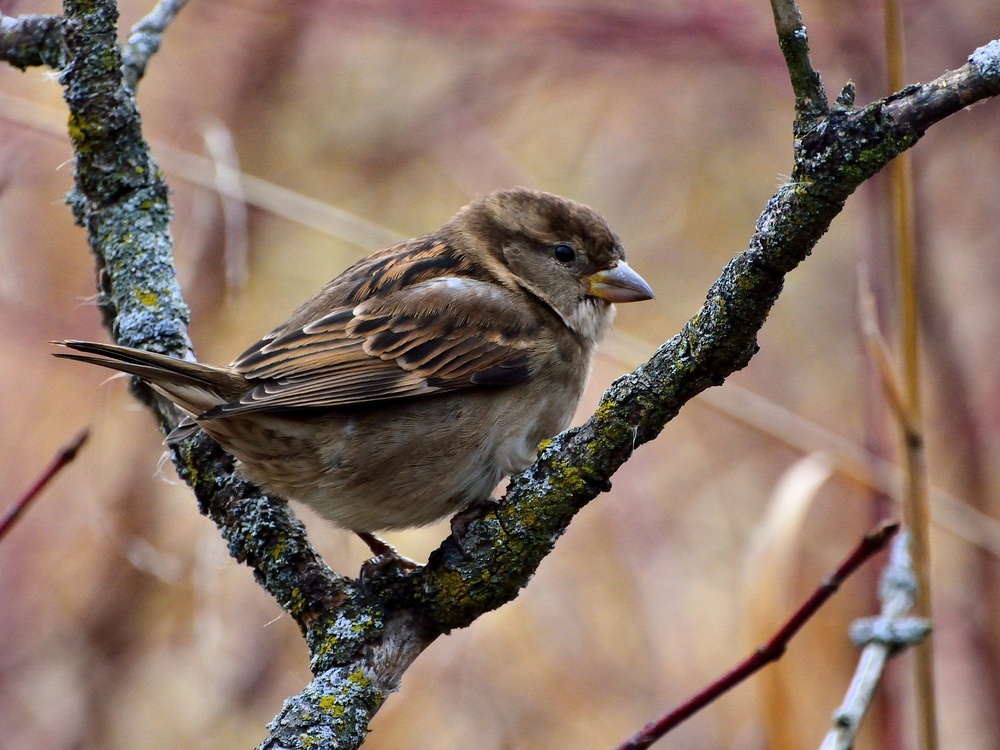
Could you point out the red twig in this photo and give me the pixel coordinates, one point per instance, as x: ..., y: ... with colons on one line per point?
x: 65, y: 456
x: 873, y: 542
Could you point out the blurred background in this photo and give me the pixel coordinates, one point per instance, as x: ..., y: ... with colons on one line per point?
x: 124, y: 624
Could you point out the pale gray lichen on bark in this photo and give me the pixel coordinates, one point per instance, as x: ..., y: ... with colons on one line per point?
x: 362, y: 638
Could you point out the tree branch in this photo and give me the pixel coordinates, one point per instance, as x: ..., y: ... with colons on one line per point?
x: 882, y: 637
x: 27, y: 41
x: 497, y: 552
x: 145, y: 40
x: 362, y: 638
x: 871, y: 544
x: 810, y: 97
x: 122, y: 201
x: 65, y: 456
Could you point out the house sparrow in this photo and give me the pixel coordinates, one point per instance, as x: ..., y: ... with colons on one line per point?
x: 412, y: 383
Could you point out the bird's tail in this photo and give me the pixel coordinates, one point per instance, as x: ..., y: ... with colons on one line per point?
x: 194, y: 387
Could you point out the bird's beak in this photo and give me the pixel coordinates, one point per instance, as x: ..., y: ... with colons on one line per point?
x: 619, y: 284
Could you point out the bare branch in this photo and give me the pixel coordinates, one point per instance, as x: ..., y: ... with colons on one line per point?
x: 62, y: 459
x: 882, y: 637
x: 870, y: 545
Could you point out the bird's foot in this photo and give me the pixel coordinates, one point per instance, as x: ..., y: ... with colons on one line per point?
x: 461, y: 520
x: 387, y: 560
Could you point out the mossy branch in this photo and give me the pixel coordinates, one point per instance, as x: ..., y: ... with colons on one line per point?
x: 810, y: 96
x: 362, y: 638
x: 32, y: 40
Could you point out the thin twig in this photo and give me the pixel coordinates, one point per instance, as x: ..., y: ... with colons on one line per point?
x: 200, y: 171
x: 810, y: 97
x: 882, y: 637
x: 915, y: 500
x: 879, y: 349
x: 870, y: 544
x: 64, y: 457
x: 145, y: 40
x: 229, y: 185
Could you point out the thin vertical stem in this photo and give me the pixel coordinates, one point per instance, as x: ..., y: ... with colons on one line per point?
x: 916, y: 498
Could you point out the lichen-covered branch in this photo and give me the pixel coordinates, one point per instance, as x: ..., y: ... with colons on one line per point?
x: 496, y: 553
x: 499, y: 551
x: 31, y: 40
x: 363, y: 637
x: 119, y: 194
x: 145, y: 40
x: 262, y: 533
x: 810, y: 97
x: 122, y: 201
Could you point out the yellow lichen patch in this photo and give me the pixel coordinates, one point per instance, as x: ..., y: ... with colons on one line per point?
x: 606, y: 410
x: 147, y: 298
x: 326, y: 646
x: 296, y: 602
x: 566, y: 478
x: 111, y: 60
x: 359, y: 678
x: 279, y: 548
x: 329, y: 704
x: 191, y: 468
x: 453, y: 589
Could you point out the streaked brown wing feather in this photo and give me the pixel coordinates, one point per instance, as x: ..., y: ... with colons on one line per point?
x: 426, y: 335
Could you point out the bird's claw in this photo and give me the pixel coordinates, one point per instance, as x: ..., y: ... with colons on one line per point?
x: 387, y: 560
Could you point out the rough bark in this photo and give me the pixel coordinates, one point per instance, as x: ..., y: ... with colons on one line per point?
x: 363, y: 637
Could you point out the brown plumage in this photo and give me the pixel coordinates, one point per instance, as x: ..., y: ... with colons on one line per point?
x: 422, y: 375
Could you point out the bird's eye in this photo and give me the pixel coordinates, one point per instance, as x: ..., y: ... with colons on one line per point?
x: 564, y: 253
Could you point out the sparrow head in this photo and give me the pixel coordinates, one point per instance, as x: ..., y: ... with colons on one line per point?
x: 562, y: 252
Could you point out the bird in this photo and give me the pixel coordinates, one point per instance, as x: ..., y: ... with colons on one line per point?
x: 410, y: 385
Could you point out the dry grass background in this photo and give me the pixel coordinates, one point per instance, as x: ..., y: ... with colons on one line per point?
x: 124, y: 624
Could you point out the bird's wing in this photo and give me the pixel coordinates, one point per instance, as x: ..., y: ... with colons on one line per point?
x: 438, y: 335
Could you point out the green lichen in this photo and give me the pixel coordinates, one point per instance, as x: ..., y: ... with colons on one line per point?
x: 566, y: 479
x: 360, y: 680
x: 325, y: 645
x: 296, y: 602
x: 78, y: 132
x: 111, y: 60
x: 279, y: 548
x: 329, y: 704
x: 453, y: 592
x: 190, y: 468
x: 336, y: 638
